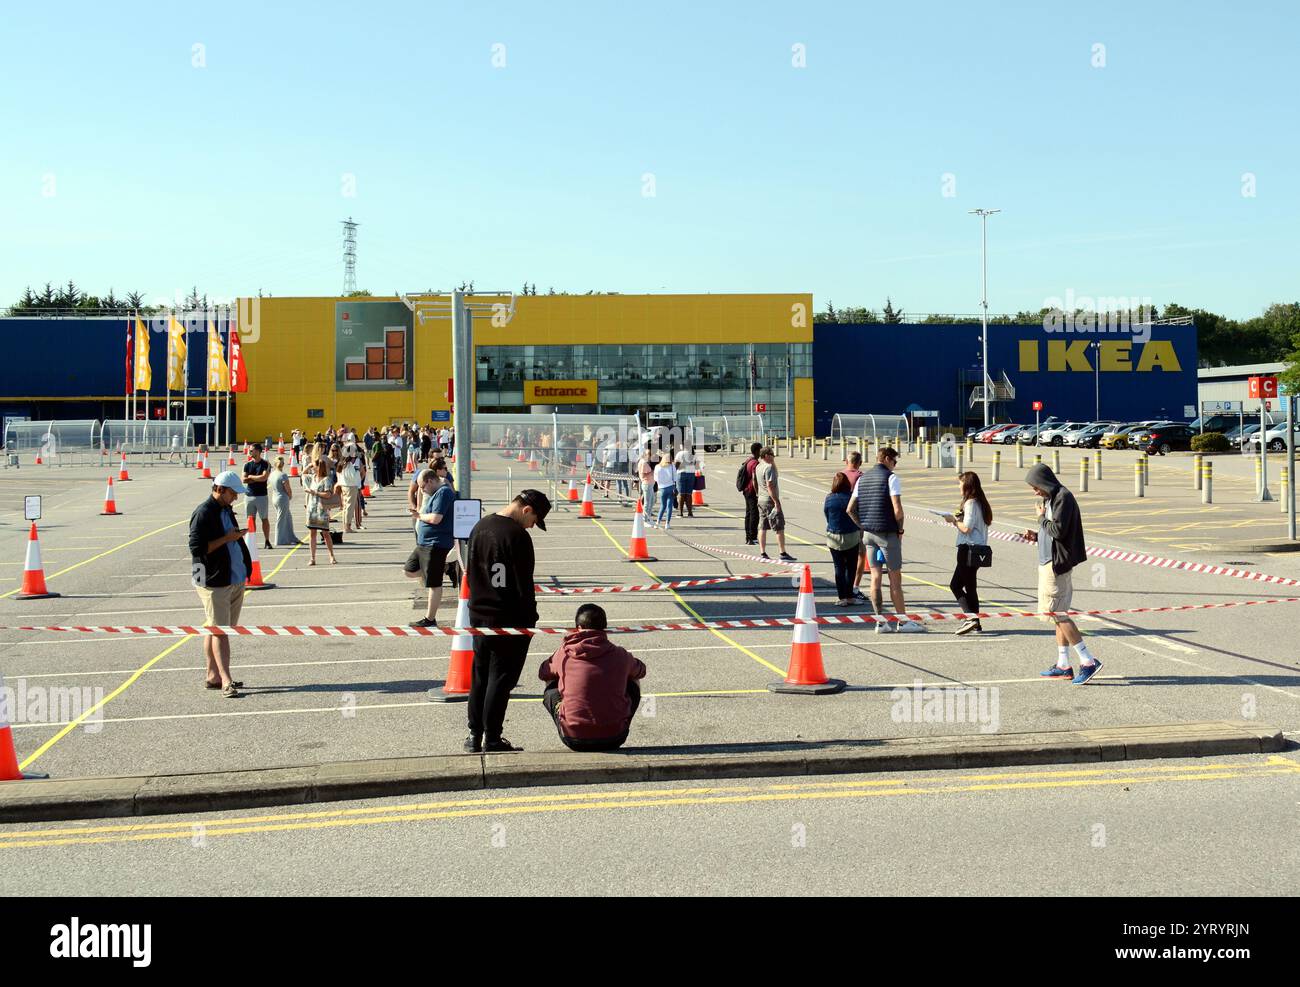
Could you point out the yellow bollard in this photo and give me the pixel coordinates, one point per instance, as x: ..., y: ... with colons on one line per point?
x: 1207, y: 483
x: 997, y: 465
x: 957, y: 459
x: 929, y: 455
x: 1284, y: 500
x: 1139, y: 487
x: 1056, y: 461
x: 1083, y: 474
x: 1096, y: 469
x: 1197, y: 461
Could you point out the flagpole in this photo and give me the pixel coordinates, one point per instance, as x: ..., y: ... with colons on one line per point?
x: 126, y: 393
x: 207, y: 388
x: 168, y: 381
x: 230, y: 384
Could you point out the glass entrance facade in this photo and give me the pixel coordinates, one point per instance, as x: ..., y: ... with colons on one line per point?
x: 686, y: 378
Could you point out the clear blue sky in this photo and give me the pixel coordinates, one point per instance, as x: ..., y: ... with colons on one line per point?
x: 1124, y: 180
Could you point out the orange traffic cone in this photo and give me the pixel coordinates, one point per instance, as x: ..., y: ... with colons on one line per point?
x: 520, y: 457
x: 573, y: 490
x: 8, y: 756
x: 588, y: 509
x: 532, y: 462
x: 279, y: 449
x: 806, y: 674
x: 122, y: 474
x: 460, y: 665
x: 293, y: 468
x: 231, y: 460
x: 38, y: 459
x: 473, y: 465
x: 33, y: 587
x: 639, y: 552
x: 365, y: 490
x: 254, y: 577
x: 207, y: 471
x: 697, y: 498
x: 110, y: 503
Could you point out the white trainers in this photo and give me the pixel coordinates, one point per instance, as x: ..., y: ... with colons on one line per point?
x: 884, y: 626
x: 910, y: 627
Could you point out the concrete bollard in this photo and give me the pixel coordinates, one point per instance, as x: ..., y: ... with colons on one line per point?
x: 1020, y: 456
x: 997, y: 465
x: 970, y: 450
x: 1083, y: 474
x: 1259, y: 476
x: 1056, y: 461
x: 1197, y: 461
x: 958, y: 466
x: 1096, y: 469
x: 826, y: 451
x: 807, y: 448
x: 1038, y: 458
x: 1139, y: 487
x: 1146, y: 468
x: 1285, y: 500
x: 929, y: 455
x: 1207, y: 483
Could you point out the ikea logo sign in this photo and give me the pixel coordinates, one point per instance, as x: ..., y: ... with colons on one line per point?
x: 1111, y: 355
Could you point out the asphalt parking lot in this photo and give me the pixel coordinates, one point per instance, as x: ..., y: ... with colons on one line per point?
x: 313, y: 699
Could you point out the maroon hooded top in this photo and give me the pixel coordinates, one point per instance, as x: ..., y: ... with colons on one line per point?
x: 593, y: 674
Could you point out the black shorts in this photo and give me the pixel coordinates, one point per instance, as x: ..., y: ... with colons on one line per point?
x: 429, y: 561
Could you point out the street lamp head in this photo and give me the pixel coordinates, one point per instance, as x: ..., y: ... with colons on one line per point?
x: 984, y: 212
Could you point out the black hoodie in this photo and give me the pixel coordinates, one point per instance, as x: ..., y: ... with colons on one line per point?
x: 1066, y: 527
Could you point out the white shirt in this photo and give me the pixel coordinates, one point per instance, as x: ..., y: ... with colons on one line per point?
x: 666, y: 476
x: 685, y: 461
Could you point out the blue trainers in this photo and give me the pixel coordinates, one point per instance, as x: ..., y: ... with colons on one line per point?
x: 1086, y: 672
x: 1058, y: 673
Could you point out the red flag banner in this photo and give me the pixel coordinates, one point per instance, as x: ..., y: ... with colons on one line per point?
x: 238, y: 369
x: 130, y: 348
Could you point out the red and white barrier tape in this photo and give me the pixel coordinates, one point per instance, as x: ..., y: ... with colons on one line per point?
x: 173, y: 630
x: 1140, y: 558
x: 713, y: 549
x: 650, y: 587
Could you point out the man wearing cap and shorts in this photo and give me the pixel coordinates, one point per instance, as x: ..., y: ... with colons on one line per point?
x: 501, y: 594
x: 256, y: 502
x: 877, y: 508
x: 220, y: 564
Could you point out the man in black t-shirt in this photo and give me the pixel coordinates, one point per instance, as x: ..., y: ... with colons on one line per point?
x: 256, y: 500
x: 501, y: 594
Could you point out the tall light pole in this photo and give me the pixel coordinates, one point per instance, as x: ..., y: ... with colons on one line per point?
x: 984, y: 215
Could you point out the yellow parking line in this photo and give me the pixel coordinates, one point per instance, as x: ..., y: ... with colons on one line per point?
x: 694, y: 613
x: 94, y: 558
x: 103, y: 702
x: 283, y: 561
x: 586, y: 801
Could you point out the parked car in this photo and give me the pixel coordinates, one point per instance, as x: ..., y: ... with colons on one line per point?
x: 1137, y: 439
x: 978, y: 430
x: 993, y: 433
x: 1239, y: 435
x: 1012, y: 435
x: 1117, y: 438
x: 1172, y: 437
x: 1087, y: 438
x: 1029, y: 435
x: 1055, y: 436
x: 1276, y: 438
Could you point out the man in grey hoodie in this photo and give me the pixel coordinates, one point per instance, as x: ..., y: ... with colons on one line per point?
x: 1060, y: 549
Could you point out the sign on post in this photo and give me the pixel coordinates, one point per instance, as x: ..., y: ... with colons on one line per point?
x: 1189, y: 411
x: 1036, y: 406
x: 464, y: 515
x: 440, y: 416
x: 1261, y: 387
x: 759, y: 408
x: 32, y: 508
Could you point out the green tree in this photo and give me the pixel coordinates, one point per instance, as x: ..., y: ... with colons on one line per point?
x: 890, y: 314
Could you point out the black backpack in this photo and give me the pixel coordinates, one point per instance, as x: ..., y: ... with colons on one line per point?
x: 742, y: 477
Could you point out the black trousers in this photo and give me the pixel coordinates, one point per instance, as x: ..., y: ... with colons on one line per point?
x: 551, y: 703
x: 497, y: 664
x: 751, y: 517
x: 964, y: 587
x: 846, y: 567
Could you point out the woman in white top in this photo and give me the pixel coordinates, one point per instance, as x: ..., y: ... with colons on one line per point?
x: 972, y: 524
x: 666, y: 478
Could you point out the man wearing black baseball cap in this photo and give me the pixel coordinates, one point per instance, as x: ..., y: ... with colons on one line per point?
x: 501, y: 594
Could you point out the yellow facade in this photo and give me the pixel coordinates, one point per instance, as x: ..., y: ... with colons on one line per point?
x: 289, y: 348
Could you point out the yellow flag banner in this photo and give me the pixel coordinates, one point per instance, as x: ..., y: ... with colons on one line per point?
x: 176, y: 356
x: 143, y: 372
x: 218, y: 372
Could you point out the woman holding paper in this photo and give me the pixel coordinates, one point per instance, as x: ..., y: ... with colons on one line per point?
x: 972, y: 523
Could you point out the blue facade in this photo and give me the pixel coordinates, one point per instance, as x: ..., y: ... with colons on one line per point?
x: 877, y: 368
x: 72, y: 368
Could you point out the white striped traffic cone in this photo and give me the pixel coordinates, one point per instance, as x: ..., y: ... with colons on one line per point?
x: 573, y: 489
x: 588, y: 509
x: 33, y: 587
x: 639, y: 551
x: 110, y: 502
x: 207, y: 470
x: 293, y: 465
x: 697, y: 498
x: 460, y: 665
x: 231, y: 460
x: 254, y: 577
x: 806, y: 674
x: 122, y: 474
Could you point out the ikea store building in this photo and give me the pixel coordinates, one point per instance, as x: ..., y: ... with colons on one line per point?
x: 312, y: 362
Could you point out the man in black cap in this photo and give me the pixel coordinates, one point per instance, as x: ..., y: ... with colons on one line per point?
x: 501, y: 594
